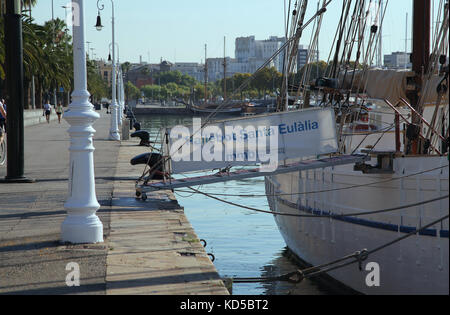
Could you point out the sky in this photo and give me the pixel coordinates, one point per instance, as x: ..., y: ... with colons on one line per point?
x: 177, y: 30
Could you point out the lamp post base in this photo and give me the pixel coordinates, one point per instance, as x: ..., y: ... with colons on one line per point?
x: 115, y: 136
x: 17, y: 180
x: 82, y: 230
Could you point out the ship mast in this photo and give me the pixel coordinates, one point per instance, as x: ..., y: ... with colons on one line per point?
x: 420, y: 60
x: 421, y: 36
x: 224, y: 70
x: 206, y: 74
x: 380, y: 42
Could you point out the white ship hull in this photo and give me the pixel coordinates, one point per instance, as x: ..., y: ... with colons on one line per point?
x: 417, y: 265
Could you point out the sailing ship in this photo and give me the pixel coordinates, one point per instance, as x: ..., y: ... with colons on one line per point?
x: 221, y: 105
x: 215, y: 107
x: 392, y: 124
x: 401, y: 122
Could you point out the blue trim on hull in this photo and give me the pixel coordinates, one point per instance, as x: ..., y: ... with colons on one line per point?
x: 365, y: 222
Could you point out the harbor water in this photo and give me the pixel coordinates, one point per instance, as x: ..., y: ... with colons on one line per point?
x: 244, y: 243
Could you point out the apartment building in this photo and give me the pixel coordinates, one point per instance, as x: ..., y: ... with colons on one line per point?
x: 192, y: 69
x: 251, y: 54
x: 398, y: 60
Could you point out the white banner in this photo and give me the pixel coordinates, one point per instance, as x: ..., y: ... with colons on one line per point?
x: 266, y: 139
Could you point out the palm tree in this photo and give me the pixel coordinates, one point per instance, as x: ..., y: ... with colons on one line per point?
x: 28, y: 3
x: 47, y: 55
x: 32, y: 52
x: 57, y: 56
x: 126, y: 66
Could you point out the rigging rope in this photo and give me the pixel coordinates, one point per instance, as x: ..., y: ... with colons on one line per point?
x: 322, y: 215
x: 313, y: 53
x: 358, y: 257
x: 328, y: 190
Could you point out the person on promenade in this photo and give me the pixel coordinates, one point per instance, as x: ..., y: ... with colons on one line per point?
x: 2, y: 119
x: 47, y: 111
x: 59, y: 111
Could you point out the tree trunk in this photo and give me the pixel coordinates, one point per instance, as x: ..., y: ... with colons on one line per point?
x: 38, y: 93
x: 26, y: 102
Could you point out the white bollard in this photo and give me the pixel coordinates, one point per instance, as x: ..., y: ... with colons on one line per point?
x: 81, y: 224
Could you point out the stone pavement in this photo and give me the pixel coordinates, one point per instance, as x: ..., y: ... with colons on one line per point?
x: 150, y: 247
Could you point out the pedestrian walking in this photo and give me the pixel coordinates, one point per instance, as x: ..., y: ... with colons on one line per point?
x: 47, y: 111
x: 59, y: 111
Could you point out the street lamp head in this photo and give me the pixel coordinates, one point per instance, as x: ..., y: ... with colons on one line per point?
x: 109, y: 58
x: 99, y: 25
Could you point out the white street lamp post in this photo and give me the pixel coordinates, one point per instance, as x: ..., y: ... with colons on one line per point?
x: 81, y: 224
x: 119, y: 101
x: 123, y: 93
x: 121, y: 96
x: 114, y: 130
x: 118, y: 84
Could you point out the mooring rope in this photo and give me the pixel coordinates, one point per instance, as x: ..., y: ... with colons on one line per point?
x: 324, y: 215
x: 325, y: 190
x: 358, y: 257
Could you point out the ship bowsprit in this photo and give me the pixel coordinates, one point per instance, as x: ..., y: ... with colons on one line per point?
x: 227, y: 175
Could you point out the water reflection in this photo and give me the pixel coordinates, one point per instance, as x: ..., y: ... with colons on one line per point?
x: 244, y: 243
x: 281, y: 265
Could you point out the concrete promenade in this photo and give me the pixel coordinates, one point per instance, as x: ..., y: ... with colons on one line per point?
x: 150, y: 247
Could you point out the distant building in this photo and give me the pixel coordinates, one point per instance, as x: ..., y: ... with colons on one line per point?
x: 105, y: 70
x: 165, y: 66
x: 245, y: 48
x: 141, y: 74
x: 304, y: 54
x: 251, y: 54
x: 398, y: 60
x: 216, y: 68
x: 192, y: 69
x: 267, y: 48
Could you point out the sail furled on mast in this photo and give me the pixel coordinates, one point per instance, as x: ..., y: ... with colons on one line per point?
x: 387, y: 84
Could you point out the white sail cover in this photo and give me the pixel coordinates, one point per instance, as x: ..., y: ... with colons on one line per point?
x: 266, y: 139
x: 388, y: 84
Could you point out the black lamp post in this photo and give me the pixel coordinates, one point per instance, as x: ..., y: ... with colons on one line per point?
x: 15, y: 92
